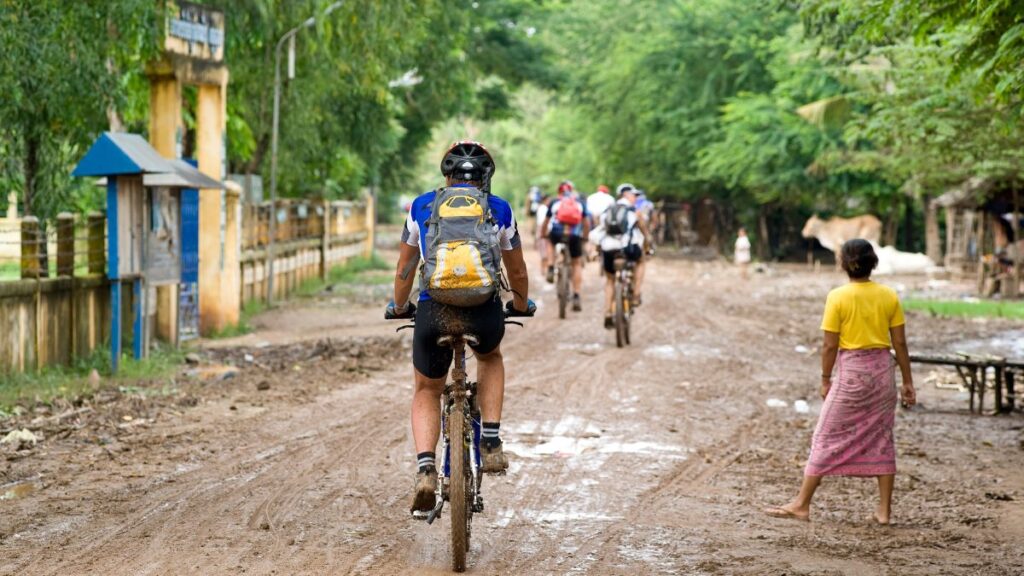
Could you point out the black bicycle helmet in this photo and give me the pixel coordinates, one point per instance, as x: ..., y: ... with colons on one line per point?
x: 467, y: 160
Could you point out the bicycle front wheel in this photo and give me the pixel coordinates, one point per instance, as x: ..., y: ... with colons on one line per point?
x: 458, y: 483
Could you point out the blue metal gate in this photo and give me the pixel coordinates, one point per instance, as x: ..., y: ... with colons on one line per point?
x: 188, y: 295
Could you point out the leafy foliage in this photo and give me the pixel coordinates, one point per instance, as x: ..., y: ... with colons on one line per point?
x: 60, y: 75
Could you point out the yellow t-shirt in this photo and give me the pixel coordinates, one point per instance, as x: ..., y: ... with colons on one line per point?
x: 862, y: 313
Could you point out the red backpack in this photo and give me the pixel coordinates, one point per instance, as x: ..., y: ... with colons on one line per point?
x: 570, y: 211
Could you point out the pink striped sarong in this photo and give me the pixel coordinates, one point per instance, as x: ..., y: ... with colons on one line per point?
x: 854, y: 432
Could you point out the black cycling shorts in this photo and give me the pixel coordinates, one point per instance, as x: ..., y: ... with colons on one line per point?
x: 575, y: 243
x: 486, y: 322
x: 632, y: 252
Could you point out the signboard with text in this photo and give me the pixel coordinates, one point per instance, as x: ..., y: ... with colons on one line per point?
x: 195, y: 31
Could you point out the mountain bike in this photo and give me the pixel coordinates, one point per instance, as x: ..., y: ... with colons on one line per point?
x: 563, y: 277
x: 623, y: 298
x: 460, y: 478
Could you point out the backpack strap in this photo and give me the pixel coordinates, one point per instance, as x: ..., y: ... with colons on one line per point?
x: 434, y: 217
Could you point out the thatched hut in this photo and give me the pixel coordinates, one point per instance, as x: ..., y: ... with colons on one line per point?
x: 983, y: 232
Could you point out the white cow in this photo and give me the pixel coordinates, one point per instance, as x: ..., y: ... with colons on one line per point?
x: 832, y: 233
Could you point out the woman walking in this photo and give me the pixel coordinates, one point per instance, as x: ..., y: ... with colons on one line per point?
x: 854, y: 437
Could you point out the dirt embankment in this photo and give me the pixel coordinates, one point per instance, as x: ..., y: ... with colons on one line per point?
x: 654, y: 459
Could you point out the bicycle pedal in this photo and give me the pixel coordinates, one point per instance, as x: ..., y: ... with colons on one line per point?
x: 420, y: 515
x: 435, y: 513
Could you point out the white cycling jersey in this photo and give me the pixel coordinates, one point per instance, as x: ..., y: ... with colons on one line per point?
x: 608, y: 242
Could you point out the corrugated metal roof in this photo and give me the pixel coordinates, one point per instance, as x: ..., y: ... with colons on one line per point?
x: 182, y: 175
x: 120, y: 153
x: 138, y: 149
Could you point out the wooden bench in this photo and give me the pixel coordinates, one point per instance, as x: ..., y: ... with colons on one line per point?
x: 974, y: 372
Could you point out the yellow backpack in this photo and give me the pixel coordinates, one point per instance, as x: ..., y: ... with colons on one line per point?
x: 462, y: 256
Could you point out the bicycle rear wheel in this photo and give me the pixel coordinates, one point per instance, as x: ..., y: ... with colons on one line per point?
x: 563, y: 291
x: 627, y: 316
x: 620, y: 316
x: 458, y: 483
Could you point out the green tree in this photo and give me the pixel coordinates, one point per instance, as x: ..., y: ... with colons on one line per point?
x: 61, y: 74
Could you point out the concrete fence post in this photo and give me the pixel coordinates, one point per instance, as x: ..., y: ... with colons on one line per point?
x: 31, y: 244
x: 97, y: 223
x: 65, y: 244
x: 325, y: 244
x: 371, y: 225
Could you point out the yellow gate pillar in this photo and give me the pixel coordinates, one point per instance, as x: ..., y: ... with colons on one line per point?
x: 165, y: 128
x: 231, y: 276
x: 214, y: 313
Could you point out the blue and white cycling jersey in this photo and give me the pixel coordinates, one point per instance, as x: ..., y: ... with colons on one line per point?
x: 415, y: 231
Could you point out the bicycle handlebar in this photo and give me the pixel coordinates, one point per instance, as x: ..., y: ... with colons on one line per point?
x: 391, y: 313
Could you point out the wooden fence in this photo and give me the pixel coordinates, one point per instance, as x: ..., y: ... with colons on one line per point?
x: 57, y: 307
x: 311, y: 238
x: 51, y: 321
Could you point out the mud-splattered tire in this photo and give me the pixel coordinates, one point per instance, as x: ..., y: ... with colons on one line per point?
x: 621, y: 338
x: 457, y: 493
x: 563, y: 292
x: 627, y: 315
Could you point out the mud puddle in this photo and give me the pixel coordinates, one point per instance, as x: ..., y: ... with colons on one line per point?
x: 17, y: 490
x: 1008, y: 344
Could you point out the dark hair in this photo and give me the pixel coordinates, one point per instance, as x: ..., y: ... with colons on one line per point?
x: 858, y: 258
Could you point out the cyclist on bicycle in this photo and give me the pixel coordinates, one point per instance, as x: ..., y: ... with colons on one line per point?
x: 598, y: 202
x: 568, y: 222
x: 621, y: 231
x: 541, y: 233
x: 468, y: 166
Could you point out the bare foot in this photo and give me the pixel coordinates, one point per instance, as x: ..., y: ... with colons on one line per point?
x: 882, y: 518
x: 790, y: 511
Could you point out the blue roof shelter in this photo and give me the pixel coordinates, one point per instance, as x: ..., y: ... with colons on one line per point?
x: 129, y: 164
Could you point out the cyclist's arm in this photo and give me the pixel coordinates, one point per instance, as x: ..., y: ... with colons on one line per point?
x: 641, y: 223
x: 405, y: 274
x: 545, y: 230
x: 518, y: 278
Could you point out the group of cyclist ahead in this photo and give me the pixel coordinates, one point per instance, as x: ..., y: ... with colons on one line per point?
x: 618, y: 227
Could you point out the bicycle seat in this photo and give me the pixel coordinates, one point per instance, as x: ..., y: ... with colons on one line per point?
x: 448, y: 339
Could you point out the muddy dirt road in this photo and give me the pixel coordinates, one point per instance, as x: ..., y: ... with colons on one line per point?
x: 654, y: 459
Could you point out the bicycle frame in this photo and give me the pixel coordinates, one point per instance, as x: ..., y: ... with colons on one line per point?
x: 459, y: 391
x: 460, y: 384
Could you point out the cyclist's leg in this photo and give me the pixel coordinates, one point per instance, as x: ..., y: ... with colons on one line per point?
x: 576, y: 252
x: 608, y: 266
x: 608, y: 271
x: 636, y: 254
x: 488, y: 323
x: 430, y: 366
x: 490, y: 372
x: 553, y: 239
x: 542, y: 248
x: 426, y: 412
